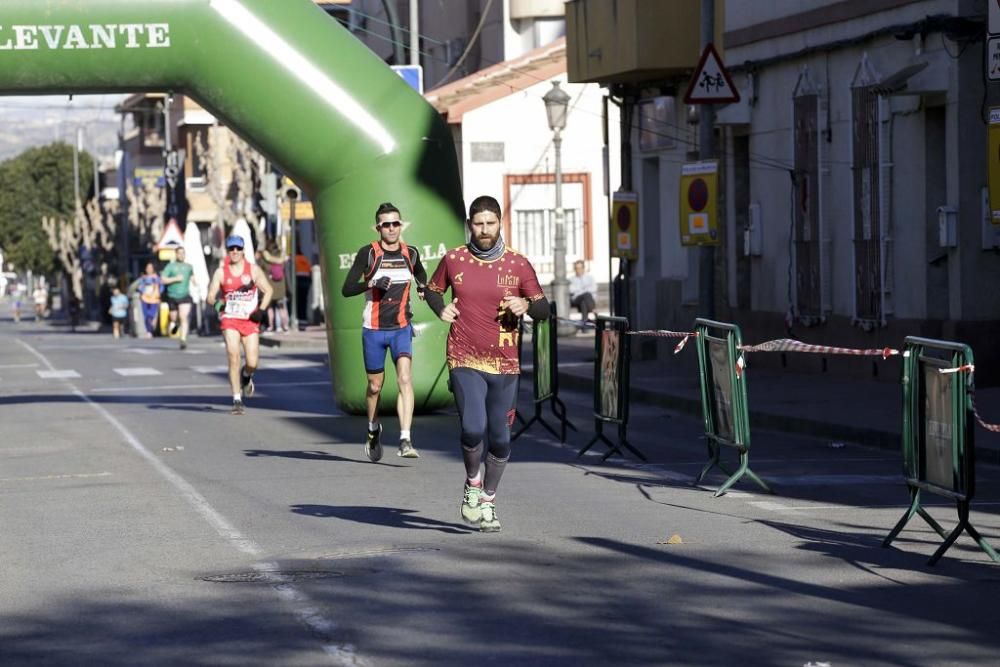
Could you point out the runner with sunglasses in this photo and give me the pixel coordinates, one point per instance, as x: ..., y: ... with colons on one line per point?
x: 246, y: 294
x: 383, y: 271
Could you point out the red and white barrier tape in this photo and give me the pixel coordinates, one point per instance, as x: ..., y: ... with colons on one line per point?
x: 790, y: 345
x: 663, y: 333
x: 970, y: 369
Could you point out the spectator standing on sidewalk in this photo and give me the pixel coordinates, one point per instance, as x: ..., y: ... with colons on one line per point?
x: 582, y: 291
x: 150, y: 286
x: 492, y: 287
x: 118, y: 311
x: 383, y: 271
x: 274, y: 260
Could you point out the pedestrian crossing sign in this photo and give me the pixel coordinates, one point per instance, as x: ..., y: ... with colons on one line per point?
x: 711, y: 83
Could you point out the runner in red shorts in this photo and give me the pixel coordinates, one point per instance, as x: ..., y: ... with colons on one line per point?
x: 246, y: 294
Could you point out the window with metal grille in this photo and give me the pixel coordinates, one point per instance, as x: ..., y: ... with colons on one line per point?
x: 867, y: 205
x: 808, y: 295
x: 533, y: 234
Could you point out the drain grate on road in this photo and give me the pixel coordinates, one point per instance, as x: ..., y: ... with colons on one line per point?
x: 270, y: 577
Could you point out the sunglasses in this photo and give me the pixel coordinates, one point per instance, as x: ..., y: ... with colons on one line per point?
x: 234, y: 249
x: 390, y: 224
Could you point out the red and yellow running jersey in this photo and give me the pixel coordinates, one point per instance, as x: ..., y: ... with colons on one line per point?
x: 485, y: 335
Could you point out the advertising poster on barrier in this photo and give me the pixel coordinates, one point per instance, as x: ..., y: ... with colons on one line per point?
x: 938, y: 428
x: 722, y: 389
x: 542, y: 348
x: 611, y: 360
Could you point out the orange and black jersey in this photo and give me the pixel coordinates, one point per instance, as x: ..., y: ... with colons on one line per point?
x: 388, y: 309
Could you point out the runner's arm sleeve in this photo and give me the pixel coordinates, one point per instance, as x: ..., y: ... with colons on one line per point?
x: 539, y: 309
x: 435, y: 300
x: 353, y: 283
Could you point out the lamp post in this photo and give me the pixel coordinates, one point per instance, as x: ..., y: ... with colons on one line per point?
x: 291, y: 194
x: 556, y: 104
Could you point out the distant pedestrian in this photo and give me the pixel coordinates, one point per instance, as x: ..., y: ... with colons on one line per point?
x: 41, y: 300
x: 118, y: 311
x: 150, y: 287
x: 582, y: 291
x: 177, y: 277
x: 274, y: 260
x: 383, y: 271
x: 492, y: 287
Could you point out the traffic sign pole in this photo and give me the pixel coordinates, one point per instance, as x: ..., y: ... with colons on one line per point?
x: 706, y: 151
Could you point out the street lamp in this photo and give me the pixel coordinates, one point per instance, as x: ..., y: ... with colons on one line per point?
x: 292, y: 194
x: 556, y: 105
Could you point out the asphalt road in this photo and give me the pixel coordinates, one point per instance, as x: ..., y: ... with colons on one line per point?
x: 141, y: 523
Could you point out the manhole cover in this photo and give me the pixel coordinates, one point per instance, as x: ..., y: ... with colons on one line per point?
x: 383, y: 551
x: 275, y: 577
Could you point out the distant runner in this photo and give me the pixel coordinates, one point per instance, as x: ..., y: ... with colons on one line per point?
x: 177, y: 277
x: 246, y: 293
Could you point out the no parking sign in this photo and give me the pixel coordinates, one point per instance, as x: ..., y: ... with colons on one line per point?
x: 699, y: 191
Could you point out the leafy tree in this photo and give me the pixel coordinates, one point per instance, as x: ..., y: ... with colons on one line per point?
x: 34, y: 185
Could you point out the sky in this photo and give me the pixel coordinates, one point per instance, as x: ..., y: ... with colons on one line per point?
x: 40, y: 120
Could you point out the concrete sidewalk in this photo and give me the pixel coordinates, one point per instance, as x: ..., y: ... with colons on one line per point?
x: 841, y: 409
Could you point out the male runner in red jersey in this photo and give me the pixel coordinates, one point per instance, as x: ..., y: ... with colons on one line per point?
x: 492, y: 286
x: 246, y: 294
x: 382, y: 271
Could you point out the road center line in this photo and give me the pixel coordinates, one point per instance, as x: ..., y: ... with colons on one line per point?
x: 302, y: 607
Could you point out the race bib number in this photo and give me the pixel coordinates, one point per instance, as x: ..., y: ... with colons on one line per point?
x: 239, y: 305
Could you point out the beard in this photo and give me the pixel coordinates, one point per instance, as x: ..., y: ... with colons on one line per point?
x: 485, y: 243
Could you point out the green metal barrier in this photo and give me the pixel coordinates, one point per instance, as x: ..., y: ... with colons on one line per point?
x: 939, y: 435
x: 612, y: 355
x: 724, y: 400
x: 545, y: 379
x: 307, y: 94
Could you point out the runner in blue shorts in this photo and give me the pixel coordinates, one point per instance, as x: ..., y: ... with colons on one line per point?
x: 383, y: 271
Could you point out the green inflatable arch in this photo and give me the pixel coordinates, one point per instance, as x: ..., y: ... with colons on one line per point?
x: 304, y: 92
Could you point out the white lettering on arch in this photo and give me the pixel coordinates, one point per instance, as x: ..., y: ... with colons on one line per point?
x: 104, y: 36
x: 75, y: 39
x: 25, y: 37
x: 52, y: 34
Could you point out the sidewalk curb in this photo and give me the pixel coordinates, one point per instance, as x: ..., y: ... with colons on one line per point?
x: 867, y: 437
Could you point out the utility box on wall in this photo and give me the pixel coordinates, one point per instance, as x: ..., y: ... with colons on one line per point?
x: 634, y: 40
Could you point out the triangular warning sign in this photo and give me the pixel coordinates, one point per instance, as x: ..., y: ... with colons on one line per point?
x: 172, y: 236
x: 711, y: 83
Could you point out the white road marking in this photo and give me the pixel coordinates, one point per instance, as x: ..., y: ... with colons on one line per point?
x: 163, y: 387
x: 302, y: 607
x: 143, y: 350
x: 135, y: 372
x: 19, y: 366
x: 48, y: 477
x: 283, y: 364
x: 53, y: 374
x: 210, y: 370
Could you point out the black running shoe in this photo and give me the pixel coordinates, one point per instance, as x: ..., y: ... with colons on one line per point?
x: 373, y: 445
x: 237, y: 407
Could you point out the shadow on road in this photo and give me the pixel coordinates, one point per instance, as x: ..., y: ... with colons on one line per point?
x: 393, y: 517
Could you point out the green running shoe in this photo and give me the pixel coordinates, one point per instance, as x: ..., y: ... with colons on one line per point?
x: 407, y: 450
x: 373, y: 445
x: 471, y: 512
x: 489, y: 522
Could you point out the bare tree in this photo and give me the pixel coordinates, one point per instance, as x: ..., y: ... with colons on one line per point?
x: 229, y: 164
x: 146, y: 208
x: 92, y: 227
